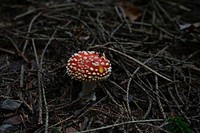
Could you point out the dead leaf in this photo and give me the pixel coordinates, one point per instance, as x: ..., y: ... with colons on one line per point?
x: 10, y: 104
x: 8, y: 128
x: 129, y: 10
x: 15, y: 120
x: 71, y: 130
x: 190, y: 26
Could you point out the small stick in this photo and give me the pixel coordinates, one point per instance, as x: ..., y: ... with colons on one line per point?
x: 42, y: 86
x: 68, y: 118
x: 21, y: 82
x: 48, y: 43
x: 7, y: 51
x: 29, y: 30
x: 24, y: 14
x: 18, y: 51
x: 39, y: 84
x: 123, y: 123
x: 46, y: 109
x: 158, y: 99
x: 149, y: 108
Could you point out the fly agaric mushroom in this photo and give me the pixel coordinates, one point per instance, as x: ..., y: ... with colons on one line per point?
x: 88, y: 67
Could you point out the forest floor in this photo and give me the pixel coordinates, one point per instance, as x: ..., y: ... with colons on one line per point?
x: 154, y: 49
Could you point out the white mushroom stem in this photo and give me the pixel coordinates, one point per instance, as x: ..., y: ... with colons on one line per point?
x: 88, y: 90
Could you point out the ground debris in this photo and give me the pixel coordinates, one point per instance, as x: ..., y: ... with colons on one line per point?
x: 153, y: 47
x: 10, y: 104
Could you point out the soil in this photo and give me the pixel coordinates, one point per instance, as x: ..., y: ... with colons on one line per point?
x: 154, y: 49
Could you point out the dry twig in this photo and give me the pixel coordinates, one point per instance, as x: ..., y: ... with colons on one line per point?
x: 120, y: 124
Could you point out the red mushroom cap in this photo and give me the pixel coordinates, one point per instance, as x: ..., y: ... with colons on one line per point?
x: 88, y: 66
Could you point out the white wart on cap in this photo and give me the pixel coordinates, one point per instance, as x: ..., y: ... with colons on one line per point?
x: 88, y: 66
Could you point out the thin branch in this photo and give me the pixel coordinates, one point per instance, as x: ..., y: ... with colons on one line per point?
x: 68, y: 118
x: 158, y: 99
x: 17, y: 49
x: 123, y: 123
x: 21, y: 83
x: 40, y: 121
x: 42, y: 86
x: 46, y: 109
x: 7, y: 51
x: 48, y: 43
x: 29, y: 30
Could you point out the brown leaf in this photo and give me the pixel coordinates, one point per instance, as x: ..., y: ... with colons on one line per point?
x: 71, y: 130
x: 129, y: 10
x: 15, y: 120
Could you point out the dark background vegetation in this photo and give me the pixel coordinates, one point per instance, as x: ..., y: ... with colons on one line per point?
x: 153, y: 45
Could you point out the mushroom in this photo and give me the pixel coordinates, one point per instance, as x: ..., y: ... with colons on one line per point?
x: 88, y: 67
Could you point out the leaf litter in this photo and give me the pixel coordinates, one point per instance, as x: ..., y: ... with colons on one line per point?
x: 37, y: 96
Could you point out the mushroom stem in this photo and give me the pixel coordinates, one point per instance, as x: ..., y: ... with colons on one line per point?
x: 88, y: 89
